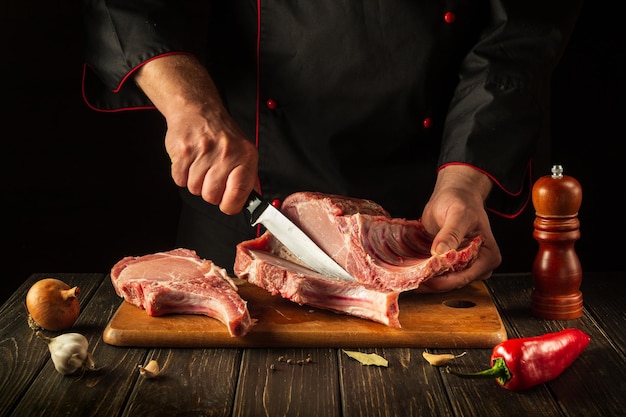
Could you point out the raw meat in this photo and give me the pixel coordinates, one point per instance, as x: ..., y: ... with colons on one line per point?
x: 180, y: 282
x: 386, y: 256
x: 389, y: 253
x: 265, y: 263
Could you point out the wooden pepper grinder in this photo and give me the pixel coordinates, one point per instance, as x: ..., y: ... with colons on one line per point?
x: 556, y: 270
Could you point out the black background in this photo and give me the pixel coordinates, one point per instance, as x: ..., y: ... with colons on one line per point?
x: 82, y: 189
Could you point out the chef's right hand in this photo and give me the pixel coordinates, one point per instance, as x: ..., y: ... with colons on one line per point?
x: 210, y: 154
x: 211, y: 157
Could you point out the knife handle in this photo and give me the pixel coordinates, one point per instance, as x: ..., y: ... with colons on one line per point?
x: 254, y: 207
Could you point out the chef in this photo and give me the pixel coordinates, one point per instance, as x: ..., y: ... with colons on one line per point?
x: 431, y: 108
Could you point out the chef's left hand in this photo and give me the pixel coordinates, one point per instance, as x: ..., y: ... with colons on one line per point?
x: 455, y: 213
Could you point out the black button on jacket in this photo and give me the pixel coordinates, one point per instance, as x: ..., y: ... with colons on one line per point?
x: 361, y: 98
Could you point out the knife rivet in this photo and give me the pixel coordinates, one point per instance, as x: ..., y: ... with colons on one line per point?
x: 276, y: 203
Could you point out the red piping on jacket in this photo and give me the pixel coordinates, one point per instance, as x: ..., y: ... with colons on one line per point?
x: 258, y: 76
x: 258, y: 92
x: 495, y: 181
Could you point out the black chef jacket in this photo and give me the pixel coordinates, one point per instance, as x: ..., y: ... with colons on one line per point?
x: 360, y: 98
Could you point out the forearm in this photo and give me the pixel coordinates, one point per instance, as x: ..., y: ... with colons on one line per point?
x: 177, y: 83
x: 464, y: 177
x: 210, y: 154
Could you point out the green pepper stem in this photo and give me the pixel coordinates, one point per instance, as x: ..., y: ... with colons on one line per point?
x: 499, y: 370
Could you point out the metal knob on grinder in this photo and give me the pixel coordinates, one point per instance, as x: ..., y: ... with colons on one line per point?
x: 556, y: 270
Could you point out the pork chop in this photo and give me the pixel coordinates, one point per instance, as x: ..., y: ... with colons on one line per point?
x: 180, y: 282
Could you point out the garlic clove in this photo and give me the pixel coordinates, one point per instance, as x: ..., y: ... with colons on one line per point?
x: 151, y: 370
x: 440, y: 359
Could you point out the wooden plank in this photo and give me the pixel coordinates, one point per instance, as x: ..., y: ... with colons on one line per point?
x: 593, y: 385
x: 101, y: 392
x: 463, y: 318
x: 198, y: 382
x: 603, y: 297
x: 484, y: 397
x: 204, y: 381
x: 409, y: 386
x: 280, y: 382
x: 23, y: 354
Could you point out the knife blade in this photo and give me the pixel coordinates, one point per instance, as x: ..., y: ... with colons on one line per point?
x: 294, y: 239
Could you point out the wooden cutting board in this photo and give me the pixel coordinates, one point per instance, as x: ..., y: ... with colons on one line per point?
x: 464, y: 318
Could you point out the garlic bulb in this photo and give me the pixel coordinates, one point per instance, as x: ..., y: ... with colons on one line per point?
x: 69, y: 352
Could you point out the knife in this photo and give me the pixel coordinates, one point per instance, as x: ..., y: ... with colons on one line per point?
x: 294, y: 239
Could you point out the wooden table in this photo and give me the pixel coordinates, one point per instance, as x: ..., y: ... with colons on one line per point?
x: 254, y: 382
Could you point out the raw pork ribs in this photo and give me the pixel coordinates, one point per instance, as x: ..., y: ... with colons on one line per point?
x: 385, y: 255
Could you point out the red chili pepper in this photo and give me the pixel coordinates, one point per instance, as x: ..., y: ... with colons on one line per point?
x: 522, y: 363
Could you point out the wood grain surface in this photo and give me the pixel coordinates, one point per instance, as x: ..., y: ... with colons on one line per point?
x: 464, y: 318
x: 252, y: 382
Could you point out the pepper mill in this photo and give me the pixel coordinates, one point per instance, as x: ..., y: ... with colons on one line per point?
x: 556, y: 270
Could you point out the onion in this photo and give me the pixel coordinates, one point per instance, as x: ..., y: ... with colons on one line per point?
x: 52, y: 305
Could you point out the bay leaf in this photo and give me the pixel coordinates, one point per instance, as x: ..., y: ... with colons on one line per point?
x: 367, y: 358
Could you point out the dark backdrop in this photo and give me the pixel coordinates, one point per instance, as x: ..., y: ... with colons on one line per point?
x: 82, y: 189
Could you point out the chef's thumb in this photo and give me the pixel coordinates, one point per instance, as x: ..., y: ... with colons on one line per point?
x: 445, y: 240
